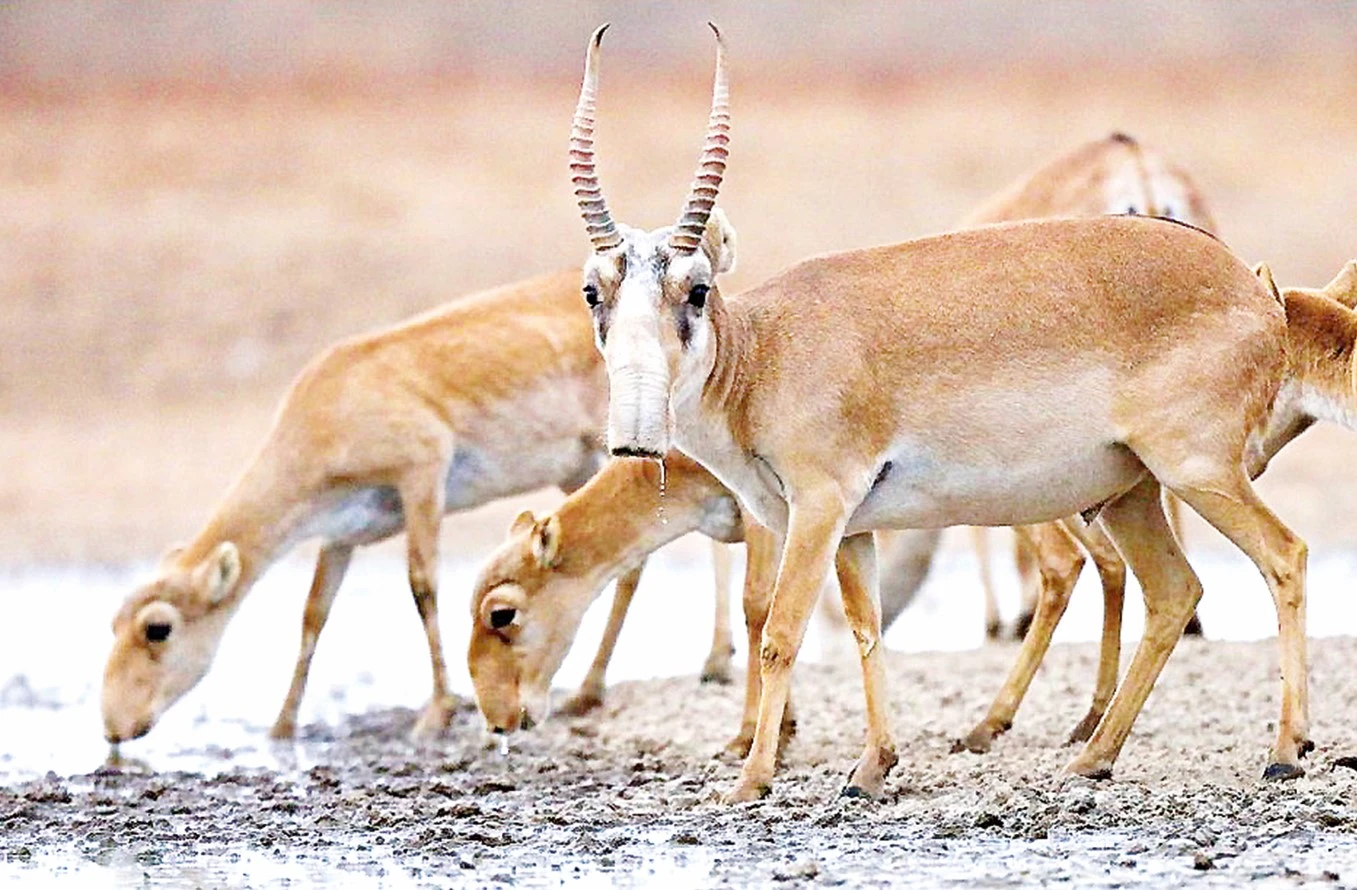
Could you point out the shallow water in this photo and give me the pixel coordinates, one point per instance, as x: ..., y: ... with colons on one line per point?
x: 372, y: 657
x: 372, y: 653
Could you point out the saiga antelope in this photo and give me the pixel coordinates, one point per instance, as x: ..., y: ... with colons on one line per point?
x: 494, y: 395
x: 533, y: 591
x: 1320, y: 383
x: 1113, y: 174
x: 1004, y: 375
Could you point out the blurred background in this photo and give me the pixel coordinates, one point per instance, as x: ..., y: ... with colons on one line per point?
x: 195, y: 198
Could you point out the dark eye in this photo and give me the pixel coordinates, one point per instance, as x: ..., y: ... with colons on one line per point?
x: 591, y: 294
x: 157, y: 632
x: 697, y: 297
x: 502, y: 618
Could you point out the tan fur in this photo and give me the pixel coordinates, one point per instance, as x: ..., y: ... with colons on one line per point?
x: 953, y: 343
x: 504, y: 391
x: 1320, y: 384
x: 610, y: 524
x: 997, y: 376
x: 1098, y: 170
x: 1115, y: 174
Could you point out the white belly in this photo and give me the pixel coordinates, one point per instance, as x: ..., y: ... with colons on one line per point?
x: 925, y: 489
x: 478, y: 475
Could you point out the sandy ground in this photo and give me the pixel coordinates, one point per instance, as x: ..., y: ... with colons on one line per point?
x: 630, y: 794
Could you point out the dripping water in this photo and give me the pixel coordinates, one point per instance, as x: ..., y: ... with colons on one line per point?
x: 664, y: 520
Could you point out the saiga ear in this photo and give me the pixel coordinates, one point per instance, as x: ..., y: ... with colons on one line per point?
x: 718, y: 242
x: 1264, y: 273
x: 546, y: 542
x: 1343, y: 288
x: 216, y: 577
x: 522, y: 521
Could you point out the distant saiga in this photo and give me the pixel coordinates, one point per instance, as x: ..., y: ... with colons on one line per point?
x: 1005, y: 375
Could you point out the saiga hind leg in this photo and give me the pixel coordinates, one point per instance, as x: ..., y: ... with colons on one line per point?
x: 1058, y: 563
x: 590, y: 694
x: 1136, y: 523
x: 856, y: 566
x: 1173, y: 509
x: 1232, y: 507
x: 980, y: 543
x: 331, y: 565
x: 1112, y: 573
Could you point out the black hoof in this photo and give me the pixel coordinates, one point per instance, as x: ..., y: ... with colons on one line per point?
x: 1194, y: 627
x: 854, y: 792
x: 1100, y: 775
x: 718, y: 679
x: 1281, y: 772
x: 993, y: 629
x: 1306, y: 747
x: 1022, y: 625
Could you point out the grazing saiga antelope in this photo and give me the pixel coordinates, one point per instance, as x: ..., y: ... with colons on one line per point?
x: 533, y: 591
x: 494, y: 395
x: 1005, y: 375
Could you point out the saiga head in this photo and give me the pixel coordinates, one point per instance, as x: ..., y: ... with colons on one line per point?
x: 653, y: 293
x: 164, y: 638
x: 525, y: 610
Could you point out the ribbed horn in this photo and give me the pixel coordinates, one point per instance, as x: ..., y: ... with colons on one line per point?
x: 711, y: 167
x: 597, y: 219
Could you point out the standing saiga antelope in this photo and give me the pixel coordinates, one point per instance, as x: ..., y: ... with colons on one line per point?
x: 1004, y: 375
x: 534, y: 589
x: 551, y: 569
x: 494, y: 395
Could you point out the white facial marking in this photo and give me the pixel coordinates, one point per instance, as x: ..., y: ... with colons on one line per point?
x: 638, y: 369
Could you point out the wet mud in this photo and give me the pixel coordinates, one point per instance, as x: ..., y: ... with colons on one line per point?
x: 630, y: 794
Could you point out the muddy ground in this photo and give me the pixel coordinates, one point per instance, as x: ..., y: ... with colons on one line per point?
x: 630, y: 794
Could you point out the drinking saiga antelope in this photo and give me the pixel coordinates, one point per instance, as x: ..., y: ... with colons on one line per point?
x: 494, y: 395
x: 552, y: 568
x: 1004, y: 375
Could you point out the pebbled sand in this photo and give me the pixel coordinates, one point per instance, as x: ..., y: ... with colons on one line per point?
x: 629, y: 794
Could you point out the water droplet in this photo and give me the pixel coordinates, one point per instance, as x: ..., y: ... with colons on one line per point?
x: 664, y: 520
